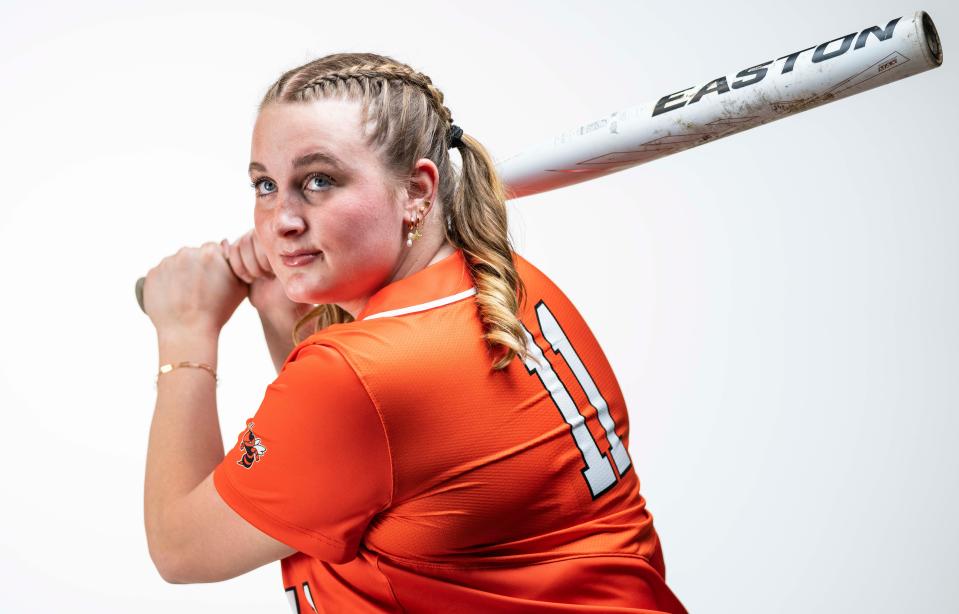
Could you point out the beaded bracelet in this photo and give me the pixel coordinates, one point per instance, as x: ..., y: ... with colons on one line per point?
x: 186, y: 363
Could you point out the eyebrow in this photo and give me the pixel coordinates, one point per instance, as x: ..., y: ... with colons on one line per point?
x: 306, y: 160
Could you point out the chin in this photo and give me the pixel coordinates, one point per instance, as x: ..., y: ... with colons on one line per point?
x: 304, y: 293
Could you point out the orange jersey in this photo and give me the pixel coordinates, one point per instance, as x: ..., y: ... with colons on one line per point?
x: 410, y: 477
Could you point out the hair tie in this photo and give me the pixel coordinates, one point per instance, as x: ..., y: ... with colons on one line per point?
x: 454, y: 136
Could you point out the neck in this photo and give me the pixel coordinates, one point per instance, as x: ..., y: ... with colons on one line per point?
x: 420, y: 256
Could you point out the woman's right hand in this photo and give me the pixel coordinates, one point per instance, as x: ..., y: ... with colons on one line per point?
x: 249, y: 263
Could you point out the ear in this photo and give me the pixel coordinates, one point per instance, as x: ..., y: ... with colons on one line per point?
x: 423, y: 186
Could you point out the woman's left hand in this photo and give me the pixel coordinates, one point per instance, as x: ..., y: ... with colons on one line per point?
x: 193, y: 290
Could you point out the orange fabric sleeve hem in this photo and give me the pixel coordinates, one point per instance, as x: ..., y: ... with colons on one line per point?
x: 312, y: 543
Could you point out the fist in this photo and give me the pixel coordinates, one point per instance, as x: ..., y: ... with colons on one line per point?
x: 267, y: 295
x: 194, y: 289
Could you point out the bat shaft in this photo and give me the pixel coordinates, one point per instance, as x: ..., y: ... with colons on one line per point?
x: 767, y: 91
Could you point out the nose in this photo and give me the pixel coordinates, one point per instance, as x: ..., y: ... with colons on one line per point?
x: 288, y: 222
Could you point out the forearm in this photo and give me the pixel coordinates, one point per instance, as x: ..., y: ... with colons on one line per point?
x: 185, y: 444
x: 278, y: 332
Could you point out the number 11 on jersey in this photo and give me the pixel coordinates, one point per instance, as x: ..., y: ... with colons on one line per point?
x: 598, y: 471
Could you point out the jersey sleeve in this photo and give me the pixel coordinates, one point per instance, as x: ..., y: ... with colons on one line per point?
x: 313, y: 465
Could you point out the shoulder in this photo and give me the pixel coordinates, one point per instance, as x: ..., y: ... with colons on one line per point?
x: 537, y: 282
x: 540, y: 288
x: 318, y: 370
x: 394, y: 353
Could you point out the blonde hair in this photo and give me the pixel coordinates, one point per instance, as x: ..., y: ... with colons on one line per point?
x: 407, y: 121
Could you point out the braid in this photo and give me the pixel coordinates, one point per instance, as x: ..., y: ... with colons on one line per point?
x: 388, y: 71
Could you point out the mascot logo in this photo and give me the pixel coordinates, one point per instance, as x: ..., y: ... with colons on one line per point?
x: 251, y: 448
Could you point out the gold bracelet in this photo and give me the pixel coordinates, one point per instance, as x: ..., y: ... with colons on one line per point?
x: 186, y: 363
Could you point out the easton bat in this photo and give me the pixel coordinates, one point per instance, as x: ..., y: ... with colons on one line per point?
x: 792, y: 83
x: 757, y: 95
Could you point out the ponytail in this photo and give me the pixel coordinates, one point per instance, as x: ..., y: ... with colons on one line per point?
x: 477, y: 223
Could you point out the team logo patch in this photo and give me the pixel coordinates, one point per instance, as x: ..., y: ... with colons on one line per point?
x: 251, y: 447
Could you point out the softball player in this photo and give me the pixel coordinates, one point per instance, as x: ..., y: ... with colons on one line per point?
x: 450, y: 437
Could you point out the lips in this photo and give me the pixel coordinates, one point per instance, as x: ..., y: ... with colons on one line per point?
x: 299, y: 257
x: 299, y: 252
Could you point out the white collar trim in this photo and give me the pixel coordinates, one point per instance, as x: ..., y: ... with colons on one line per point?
x: 446, y: 300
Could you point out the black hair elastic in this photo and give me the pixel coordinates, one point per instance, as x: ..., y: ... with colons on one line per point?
x: 454, y: 137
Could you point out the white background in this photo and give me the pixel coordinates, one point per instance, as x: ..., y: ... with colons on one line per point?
x: 779, y: 306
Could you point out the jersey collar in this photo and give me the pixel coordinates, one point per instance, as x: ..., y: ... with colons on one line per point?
x: 441, y: 283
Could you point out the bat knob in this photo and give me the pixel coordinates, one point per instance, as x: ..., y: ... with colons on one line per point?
x: 139, y: 291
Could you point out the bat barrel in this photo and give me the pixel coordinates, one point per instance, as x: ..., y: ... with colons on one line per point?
x: 791, y: 83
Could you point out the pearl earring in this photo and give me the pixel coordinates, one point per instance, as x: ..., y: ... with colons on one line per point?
x: 414, y: 232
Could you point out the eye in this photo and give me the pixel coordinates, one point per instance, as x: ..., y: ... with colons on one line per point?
x: 321, y: 177
x: 314, y: 182
x: 256, y: 183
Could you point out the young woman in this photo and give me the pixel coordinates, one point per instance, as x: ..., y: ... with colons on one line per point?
x: 450, y: 437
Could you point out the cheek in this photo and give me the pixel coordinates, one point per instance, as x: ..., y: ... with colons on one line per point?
x: 264, y: 239
x: 366, y: 227
x: 261, y: 226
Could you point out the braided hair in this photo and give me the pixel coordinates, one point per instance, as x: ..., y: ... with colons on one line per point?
x: 406, y: 120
